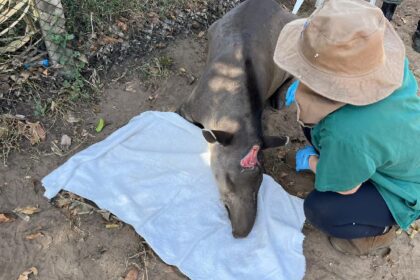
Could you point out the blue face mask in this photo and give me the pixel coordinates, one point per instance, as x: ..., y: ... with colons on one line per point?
x: 291, y: 92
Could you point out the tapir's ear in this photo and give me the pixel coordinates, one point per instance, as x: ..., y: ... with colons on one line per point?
x: 274, y: 141
x: 221, y: 137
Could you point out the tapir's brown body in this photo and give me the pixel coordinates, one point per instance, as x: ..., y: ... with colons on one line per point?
x: 227, y: 103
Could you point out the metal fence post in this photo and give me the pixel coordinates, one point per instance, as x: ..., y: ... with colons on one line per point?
x: 52, y: 23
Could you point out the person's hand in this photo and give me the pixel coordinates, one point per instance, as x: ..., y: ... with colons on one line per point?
x: 302, y: 158
x: 291, y: 92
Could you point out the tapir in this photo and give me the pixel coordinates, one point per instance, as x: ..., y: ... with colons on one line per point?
x: 227, y: 103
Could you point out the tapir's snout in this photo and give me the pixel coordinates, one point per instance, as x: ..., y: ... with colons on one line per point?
x: 241, y: 203
x: 242, y: 220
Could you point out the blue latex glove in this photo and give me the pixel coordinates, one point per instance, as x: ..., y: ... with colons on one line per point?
x: 44, y: 62
x: 302, y: 158
x: 290, y: 94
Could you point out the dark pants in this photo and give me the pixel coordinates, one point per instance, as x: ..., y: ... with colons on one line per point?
x: 361, y: 214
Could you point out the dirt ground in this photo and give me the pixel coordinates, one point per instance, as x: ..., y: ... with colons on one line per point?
x: 81, y: 247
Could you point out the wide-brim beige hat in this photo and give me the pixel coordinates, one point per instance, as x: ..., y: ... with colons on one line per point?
x: 346, y: 51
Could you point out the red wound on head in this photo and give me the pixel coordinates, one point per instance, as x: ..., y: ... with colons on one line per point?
x: 251, y: 159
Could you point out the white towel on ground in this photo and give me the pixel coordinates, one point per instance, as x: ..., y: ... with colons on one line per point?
x: 154, y: 174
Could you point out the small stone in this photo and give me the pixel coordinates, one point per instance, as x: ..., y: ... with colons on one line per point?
x: 191, y: 79
x: 130, y: 87
x: 65, y: 141
x: 195, y: 25
x: 201, y: 34
x: 71, y: 118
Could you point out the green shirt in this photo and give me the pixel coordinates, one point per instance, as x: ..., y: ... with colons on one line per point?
x: 378, y: 142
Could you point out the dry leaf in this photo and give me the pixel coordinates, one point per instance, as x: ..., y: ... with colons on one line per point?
x: 71, y: 118
x: 93, y: 48
x: 34, y: 132
x: 25, y: 75
x: 108, y: 40
x: 131, y: 87
x: 201, y: 34
x: 154, y: 17
x: 53, y: 106
x: 3, y: 131
x: 34, y: 235
x: 283, y: 175
x: 5, y: 218
x: 105, y: 214
x: 122, y: 25
x: 62, y: 202
x: 25, y: 275
x: 45, y: 72
x: 133, y: 274
x: 152, y: 14
x: 28, y: 210
x: 161, y: 45
x: 109, y: 226
x: 83, y: 58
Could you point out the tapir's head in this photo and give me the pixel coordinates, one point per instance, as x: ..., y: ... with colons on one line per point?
x: 236, y: 165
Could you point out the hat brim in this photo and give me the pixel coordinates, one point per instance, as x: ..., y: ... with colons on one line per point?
x: 361, y: 90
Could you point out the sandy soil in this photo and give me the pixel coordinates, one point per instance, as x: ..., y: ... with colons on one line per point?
x: 80, y: 247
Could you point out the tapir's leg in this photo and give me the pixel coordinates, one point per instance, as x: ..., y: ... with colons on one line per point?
x: 277, y: 100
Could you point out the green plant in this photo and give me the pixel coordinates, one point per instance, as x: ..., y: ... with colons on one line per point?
x: 61, y: 39
x: 40, y: 109
x: 156, y: 67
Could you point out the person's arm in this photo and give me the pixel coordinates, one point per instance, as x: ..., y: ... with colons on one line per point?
x: 313, y: 162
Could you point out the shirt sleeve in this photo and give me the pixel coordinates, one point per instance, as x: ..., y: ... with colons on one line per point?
x: 341, y: 166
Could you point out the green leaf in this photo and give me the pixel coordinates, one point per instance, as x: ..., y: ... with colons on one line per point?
x: 100, y: 125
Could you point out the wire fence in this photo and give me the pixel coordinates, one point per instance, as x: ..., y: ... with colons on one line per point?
x: 33, y: 34
x: 53, y: 53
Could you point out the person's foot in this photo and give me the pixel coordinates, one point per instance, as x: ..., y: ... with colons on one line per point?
x: 388, y: 10
x: 364, y: 246
x: 416, y: 41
